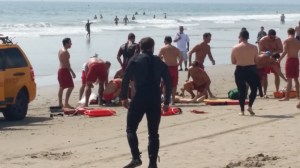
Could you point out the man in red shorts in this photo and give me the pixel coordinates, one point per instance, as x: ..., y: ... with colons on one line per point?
x: 291, y: 49
x: 65, y: 73
x: 172, y: 57
x: 273, y: 44
x: 96, y: 70
x: 201, y: 81
x: 112, y: 90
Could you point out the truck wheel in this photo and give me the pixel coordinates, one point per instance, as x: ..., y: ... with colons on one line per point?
x: 18, y: 110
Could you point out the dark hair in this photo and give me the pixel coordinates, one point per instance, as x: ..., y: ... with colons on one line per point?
x: 272, y: 32
x: 243, y: 29
x: 131, y: 36
x: 244, y: 35
x: 168, y: 39
x: 276, y: 56
x: 66, y: 41
x: 291, y: 31
x: 147, y: 43
x: 205, y: 35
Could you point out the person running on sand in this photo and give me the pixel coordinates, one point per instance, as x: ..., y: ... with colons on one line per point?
x: 272, y: 44
x: 244, y: 56
x: 201, y: 81
x: 96, y: 70
x: 291, y: 49
x: 297, y: 29
x: 183, y: 44
x: 65, y: 73
x: 172, y: 57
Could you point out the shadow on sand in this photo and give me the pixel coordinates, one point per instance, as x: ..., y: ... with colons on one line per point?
x: 28, y: 121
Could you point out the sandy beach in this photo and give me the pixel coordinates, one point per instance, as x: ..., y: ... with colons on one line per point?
x: 216, y: 139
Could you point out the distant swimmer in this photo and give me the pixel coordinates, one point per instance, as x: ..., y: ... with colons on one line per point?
x: 153, y: 16
x: 261, y: 34
x: 101, y: 17
x: 282, y: 19
x: 116, y: 20
x: 133, y: 17
x: 144, y: 13
x: 95, y: 17
x: 136, y: 13
x: 88, y: 28
x: 125, y: 20
x: 297, y: 29
x: 165, y: 15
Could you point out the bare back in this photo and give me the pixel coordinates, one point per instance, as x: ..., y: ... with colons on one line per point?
x: 198, y: 75
x: 64, y: 58
x: 201, y: 50
x: 292, y: 47
x: 244, y: 54
x: 170, y: 55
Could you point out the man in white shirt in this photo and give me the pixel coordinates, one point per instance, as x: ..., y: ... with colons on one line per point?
x: 183, y: 44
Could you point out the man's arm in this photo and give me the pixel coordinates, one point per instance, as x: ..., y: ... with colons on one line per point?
x: 285, y: 46
x: 211, y: 57
x: 190, y: 54
x: 279, y: 46
x: 125, y: 81
x: 233, y: 59
x: 160, y: 53
x: 177, y: 37
x: 65, y: 58
x: 119, y: 56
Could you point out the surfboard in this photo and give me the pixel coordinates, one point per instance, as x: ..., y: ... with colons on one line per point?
x: 223, y: 102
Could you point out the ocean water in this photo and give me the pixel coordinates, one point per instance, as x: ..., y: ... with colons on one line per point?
x: 39, y: 28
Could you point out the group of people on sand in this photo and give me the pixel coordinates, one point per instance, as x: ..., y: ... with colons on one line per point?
x: 151, y: 81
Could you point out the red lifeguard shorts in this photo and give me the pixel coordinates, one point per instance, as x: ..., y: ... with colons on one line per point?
x: 269, y: 69
x: 292, y: 67
x: 173, y: 70
x: 262, y: 73
x: 96, y: 71
x: 64, y: 78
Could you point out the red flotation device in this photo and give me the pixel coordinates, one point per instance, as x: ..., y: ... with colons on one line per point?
x: 100, y: 112
x: 171, y: 111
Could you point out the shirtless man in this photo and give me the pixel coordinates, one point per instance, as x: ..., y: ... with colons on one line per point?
x: 65, y: 73
x: 201, y: 81
x: 273, y: 44
x: 297, y: 29
x: 244, y: 56
x: 96, y: 70
x: 173, y: 58
x: 201, y: 51
x: 88, y: 28
x: 291, y: 49
x: 112, y: 90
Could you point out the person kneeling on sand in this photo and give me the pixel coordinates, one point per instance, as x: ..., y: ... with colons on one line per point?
x: 201, y: 81
x: 112, y: 90
x: 96, y: 70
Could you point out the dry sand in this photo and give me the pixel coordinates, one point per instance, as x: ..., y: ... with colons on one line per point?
x: 216, y: 139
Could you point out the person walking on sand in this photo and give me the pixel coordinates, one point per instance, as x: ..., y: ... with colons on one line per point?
x: 291, y: 49
x: 65, y: 73
x: 145, y: 68
x: 271, y: 43
x: 183, y: 44
x: 88, y: 28
x: 297, y: 29
x: 96, y: 70
x: 261, y: 34
x: 116, y: 20
x: 172, y: 57
x: 244, y: 56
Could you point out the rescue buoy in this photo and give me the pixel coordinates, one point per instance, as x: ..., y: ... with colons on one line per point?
x: 171, y: 111
x: 100, y: 112
x: 279, y: 94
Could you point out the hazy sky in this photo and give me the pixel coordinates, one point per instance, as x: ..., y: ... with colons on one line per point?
x: 185, y: 1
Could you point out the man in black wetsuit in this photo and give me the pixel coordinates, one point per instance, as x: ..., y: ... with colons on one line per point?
x: 128, y: 50
x: 147, y: 71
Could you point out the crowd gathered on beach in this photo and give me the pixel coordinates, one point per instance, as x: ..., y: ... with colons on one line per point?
x: 147, y: 83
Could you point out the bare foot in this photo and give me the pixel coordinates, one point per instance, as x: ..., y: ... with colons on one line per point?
x: 266, y: 96
x: 284, y: 99
x: 68, y: 106
x: 298, y: 105
x: 241, y: 113
x: 201, y: 99
x: 250, y: 111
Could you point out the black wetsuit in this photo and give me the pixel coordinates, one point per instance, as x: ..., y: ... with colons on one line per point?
x: 247, y: 74
x: 128, y: 52
x: 147, y: 71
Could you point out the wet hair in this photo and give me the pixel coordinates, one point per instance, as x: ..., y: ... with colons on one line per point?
x: 168, y: 39
x: 244, y: 35
x: 291, y: 31
x: 131, y: 36
x: 66, y: 40
x: 205, y: 35
x: 146, y: 43
x: 272, y: 32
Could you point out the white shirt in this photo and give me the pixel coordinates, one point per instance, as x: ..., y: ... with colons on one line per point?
x: 181, y: 43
